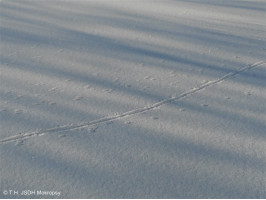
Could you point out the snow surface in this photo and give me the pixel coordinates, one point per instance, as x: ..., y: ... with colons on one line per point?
x: 133, y: 99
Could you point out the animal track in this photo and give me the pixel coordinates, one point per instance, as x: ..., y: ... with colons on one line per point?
x: 17, y: 111
x: 52, y: 89
x: 87, y: 86
x: 62, y: 135
x: 182, y: 109
x: 19, y: 142
x: 155, y: 118
x: 19, y: 97
x: 92, y: 129
x: 77, y: 98
x: 91, y: 124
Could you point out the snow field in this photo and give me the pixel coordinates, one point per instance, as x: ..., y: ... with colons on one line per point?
x: 133, y: 99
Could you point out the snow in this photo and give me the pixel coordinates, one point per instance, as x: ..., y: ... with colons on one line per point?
x: 133, y: 99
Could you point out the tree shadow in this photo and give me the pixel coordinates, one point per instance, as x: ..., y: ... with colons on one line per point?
x: 122, y: 162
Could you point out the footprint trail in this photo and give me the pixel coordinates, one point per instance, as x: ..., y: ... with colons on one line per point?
x: 24, y: 136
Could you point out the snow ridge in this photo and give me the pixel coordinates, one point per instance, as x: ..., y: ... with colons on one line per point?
x: 24, y: 136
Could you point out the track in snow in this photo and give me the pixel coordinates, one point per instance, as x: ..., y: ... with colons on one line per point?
x: 24, y: 136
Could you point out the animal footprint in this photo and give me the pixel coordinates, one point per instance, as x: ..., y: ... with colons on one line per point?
x: 52, y: 89
x: 17, y: 111
x: 87, y: 86
x: 77, y: 98
x: 18, y: 97
x: 62, y: 135
x: 173, y: 73
x: 19, y: 142
x: 92, y: 129
x: 182, y: 109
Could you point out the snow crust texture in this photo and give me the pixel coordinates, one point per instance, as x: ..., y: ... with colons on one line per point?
x: 132, y: 99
